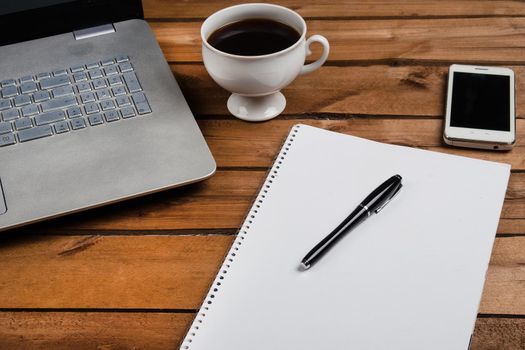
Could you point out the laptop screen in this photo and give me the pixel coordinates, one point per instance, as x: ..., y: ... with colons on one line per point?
x: 23, y: 20
x: 7, y: 7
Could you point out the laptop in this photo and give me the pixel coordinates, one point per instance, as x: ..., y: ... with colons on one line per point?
x: 90, y: 112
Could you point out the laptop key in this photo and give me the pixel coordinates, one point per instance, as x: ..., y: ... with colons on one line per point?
x: 23, y: 123
x: 107, y: 62
x: 103, y: 94
x: 127, y: 112
x: 79, y: 76
x: 74, y: 112
x: 78, y: 123
x: 60, y: 102
x: 28, y: 86
x: 22, y: 100
x: 121, y: 58
x: 35, y: 133
x: 107, y: 104
x: 43, y: 75
x: 91, y: 108
x: 5, y: 104
x: 139, y: 97
x: 114, y: 80
x: 99, y: 83
x: 10, y: 114
x: 132, y: 82
x: 8, y: 82
x: 61, y: 127
x: 111, y: 70
x: 95, y: 119
x: 9, y: 91
x: 26, y: 78
x: 52, y: 82
x: 143, y: 108
x: 50, y: 117
x: 83, y: 87
x: 95, y: 73
x: 123, y: 101
x: 29, y: 110
x: 92, y: 65
x: 111, y: 116
x: 77, y: 69
x: 141, y: 103
x: 118, y: 90
x: 125, y: 67
x: 40, y: 96
x: 59, y: 72
x: 5, y: 127
x: 87, y: 97
x: 62, y: 91
x: 7, y: 139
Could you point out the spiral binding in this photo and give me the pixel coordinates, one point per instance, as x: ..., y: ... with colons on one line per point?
x: 250, y: 217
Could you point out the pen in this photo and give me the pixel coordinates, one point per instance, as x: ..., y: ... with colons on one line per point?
x: 373, y: 203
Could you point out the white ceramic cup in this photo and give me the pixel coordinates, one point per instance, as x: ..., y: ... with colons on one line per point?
x: 255, y: 81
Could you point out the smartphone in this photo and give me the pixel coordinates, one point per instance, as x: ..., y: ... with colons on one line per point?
x: 480, y: 109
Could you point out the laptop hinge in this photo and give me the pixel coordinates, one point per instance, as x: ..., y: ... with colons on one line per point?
x: 93, y: 31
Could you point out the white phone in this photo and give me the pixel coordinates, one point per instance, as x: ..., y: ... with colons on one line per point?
x: 480, y: 107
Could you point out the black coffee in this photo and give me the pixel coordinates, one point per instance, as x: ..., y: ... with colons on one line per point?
x: 253, y: 37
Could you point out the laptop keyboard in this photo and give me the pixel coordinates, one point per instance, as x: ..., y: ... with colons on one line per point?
x: 68, y: 100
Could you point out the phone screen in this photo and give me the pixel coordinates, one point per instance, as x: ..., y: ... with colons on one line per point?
x: 480, y: 101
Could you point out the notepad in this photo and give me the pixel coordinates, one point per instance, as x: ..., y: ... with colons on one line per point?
x: 409, y: 278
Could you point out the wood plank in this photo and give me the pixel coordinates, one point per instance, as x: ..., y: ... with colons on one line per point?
x: 228, y: 139
x: 219, y: 203
x: 499, y: 333
x: 369, y: 90
x: 341, y: 9
x: 170, y: 272
x: 164, y: 272
x: 504, y: 287
x: 119, y: 330
x: 479, y: 40
x: 92, y: 330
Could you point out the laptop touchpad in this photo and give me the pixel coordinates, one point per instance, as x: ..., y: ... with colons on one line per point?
x: 3, y: 206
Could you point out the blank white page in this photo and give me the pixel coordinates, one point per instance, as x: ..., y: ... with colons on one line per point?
x: 408, y: 278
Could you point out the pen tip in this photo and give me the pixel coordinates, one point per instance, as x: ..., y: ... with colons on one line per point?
x: 305, y: 266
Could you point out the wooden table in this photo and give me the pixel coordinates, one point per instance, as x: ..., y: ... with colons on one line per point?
x: 132, y: 275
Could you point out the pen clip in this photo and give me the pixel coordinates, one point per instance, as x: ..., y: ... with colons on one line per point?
x: 389, y: 199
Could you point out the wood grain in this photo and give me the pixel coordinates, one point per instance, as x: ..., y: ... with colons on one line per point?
x: 228, y: 138
x: 104, y: 279
x: 504, y: 287
x: 92, y: 330
x: 479, y: 40
x: 376, y: 90
x: 499, y: 334
x: 160, y: 272
x: 170, y: 272
x: 169, y: 9
x: 139, y: 330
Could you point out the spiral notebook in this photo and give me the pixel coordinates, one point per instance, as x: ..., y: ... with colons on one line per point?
x: 409, y: 278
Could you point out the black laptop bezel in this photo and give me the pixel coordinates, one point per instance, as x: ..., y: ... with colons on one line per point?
x: 65, y: 17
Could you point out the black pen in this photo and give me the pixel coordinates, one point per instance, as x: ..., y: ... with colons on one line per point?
x: 373, y: 203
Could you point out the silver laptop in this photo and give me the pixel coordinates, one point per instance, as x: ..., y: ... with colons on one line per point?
x: 90, y: 111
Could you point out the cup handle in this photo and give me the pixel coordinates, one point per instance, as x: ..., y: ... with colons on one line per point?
x: 308, y: 68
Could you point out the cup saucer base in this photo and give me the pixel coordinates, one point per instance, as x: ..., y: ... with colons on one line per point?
x: 256, y: 109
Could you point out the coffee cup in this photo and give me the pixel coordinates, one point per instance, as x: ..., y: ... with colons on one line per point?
x: 255, y: 80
